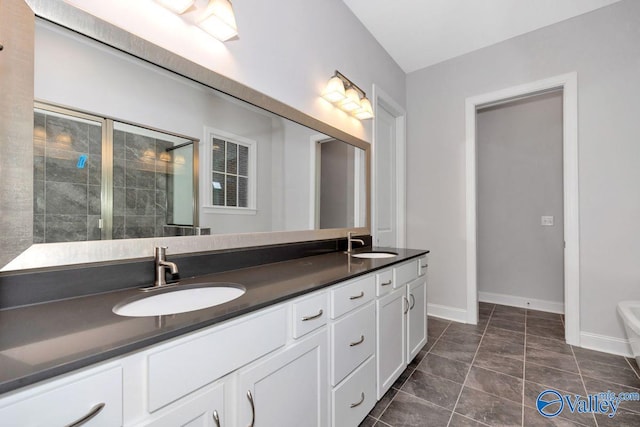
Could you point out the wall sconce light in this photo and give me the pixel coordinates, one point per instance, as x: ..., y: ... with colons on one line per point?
x: 347, y: 96
x: 217, y: 18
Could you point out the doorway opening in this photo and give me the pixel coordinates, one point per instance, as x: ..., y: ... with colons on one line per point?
x: 567, y: 85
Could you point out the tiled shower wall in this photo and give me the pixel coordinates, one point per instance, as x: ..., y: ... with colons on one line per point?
x: 67, y: 198
x: 140, y: 167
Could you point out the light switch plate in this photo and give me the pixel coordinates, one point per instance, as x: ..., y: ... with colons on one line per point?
x: 546, y: 220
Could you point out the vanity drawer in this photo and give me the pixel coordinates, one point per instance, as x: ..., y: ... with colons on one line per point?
x: 354, y: 294
x: 422, y: 266
x: 405, y: 273
x: 309, y: 314
x: 177, y: 370
x: 353, y: 340
x: 355, y: 397
x: 68, y: 401
x: 384, y: 282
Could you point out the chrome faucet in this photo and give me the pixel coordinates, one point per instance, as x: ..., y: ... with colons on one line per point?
x: 350, y: 241
x: 160, y: 254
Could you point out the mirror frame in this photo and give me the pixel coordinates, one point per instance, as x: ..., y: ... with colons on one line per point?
x: 16, y: 216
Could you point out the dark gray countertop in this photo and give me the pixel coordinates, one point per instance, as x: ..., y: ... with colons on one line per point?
x: 41, y: 341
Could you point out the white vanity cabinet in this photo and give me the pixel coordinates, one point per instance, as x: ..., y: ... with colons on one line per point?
x: 89, y: 398
x: 402, y: 322
x: 323, y: 359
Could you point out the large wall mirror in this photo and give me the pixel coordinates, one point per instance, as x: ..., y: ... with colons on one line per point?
x: 136, y: 145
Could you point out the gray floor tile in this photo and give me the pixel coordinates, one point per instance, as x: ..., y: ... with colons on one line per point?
x: 554, y: 378
x: 634, y: 365
x: 501, y: 385
x: 439, y: 366
x: 533, y: 419
x: 460, y: 336
x: 458, y: 420
x: 621, y: 418
x: 583, y: 354
x: 409, y: 411
x: 488, y: 409
x: 515, y: 337
x: 598, y: 386
x: 506, y: 365
x: 545, y: 323
x: 531, y: 392
x: 509, y: 317
x: 435, y: 327
x: 502, y: 347
x: 614, y: 374
x: 551, y: 359
x: 462, y: 352
x: 545, y: 332
x: 368, y: 422
x: 383, y: 403
x: 468, y: 329
x: 549, y: 344
x: 508, y: 309
x: 544, y: 315
x: 433, y: 389
x: 506, y: 324
x: 486, y: 306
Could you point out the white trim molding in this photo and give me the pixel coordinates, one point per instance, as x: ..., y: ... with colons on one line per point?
x: 523, y: 302
x: 446, y: 312
x: 380, y: 97
x: 568, y: 83
x: 606, y: 344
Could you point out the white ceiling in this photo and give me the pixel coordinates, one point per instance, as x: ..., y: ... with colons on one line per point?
x: 419, y: 33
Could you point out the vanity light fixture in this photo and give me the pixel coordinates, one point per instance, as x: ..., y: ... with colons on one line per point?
x: 217, y: 18
x: 347, y: 96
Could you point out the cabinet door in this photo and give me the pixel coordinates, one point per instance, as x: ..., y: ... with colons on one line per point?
x: 417, y: 317
x: 287, y: 389
x: 391, y: 339
x: 203, y: 409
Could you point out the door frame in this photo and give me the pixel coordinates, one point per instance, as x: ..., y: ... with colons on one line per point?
x: 382, y: 99
x: 568, y: 83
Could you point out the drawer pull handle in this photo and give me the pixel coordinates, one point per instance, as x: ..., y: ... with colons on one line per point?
x: 253, y: 408
x: 92, y: 413
x: 216, y: 418
x: 386, y: 283
x: 406, y: 310
x: 357, y: 296
x: 360, y: 341
x: 413, y: 301
x: 424, y: 266
x: 304, y: 319
x: 354, y: 405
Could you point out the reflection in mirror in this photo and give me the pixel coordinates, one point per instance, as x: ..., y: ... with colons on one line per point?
x: 256, y: 171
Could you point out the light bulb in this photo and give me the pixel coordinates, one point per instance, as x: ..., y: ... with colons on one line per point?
x: 219, y: 20
x: 352, y: 101
x: 365, y: 111
x: 334, y: 92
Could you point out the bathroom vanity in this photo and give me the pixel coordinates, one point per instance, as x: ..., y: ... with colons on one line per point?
x: 314, y: 341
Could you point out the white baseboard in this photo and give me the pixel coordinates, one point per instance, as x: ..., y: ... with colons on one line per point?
x: 514, y: 301
x: 604, y: 343
x: 448, y: 313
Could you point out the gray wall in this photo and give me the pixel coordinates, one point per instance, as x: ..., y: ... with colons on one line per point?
x: 603, y: 48
x: 519, y: 151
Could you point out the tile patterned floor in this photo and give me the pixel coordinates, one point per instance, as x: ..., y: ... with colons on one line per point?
x: 492, y: 373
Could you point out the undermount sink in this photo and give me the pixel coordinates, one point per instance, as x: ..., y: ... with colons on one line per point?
x: 373, y: 255
x: 179, y: 299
